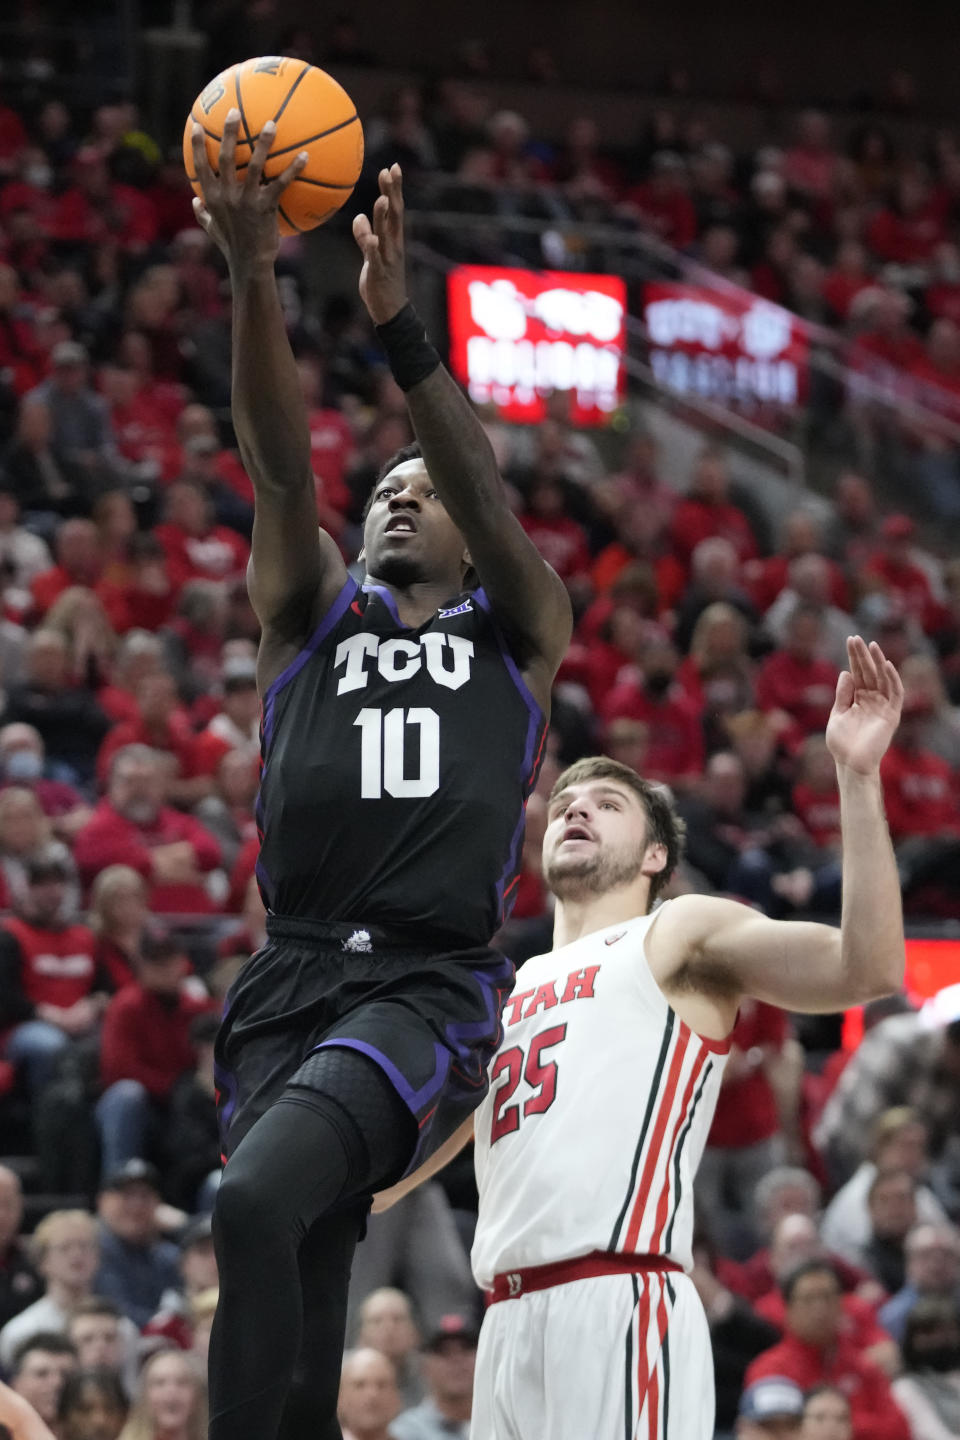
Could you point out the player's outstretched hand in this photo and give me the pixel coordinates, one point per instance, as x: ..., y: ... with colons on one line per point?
x: 866, y: 712
x: 239, y: 211
x: 383, y: 279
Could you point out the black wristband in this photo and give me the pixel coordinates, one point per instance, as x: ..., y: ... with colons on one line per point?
x: 412, y: 358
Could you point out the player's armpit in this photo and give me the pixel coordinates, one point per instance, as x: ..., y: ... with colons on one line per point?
x: 437, y: 1162
x: 528, y: 597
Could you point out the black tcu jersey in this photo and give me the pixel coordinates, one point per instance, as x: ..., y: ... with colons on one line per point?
x: 396, y: 766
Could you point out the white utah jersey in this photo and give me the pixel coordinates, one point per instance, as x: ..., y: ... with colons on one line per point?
x: 600, y: 1101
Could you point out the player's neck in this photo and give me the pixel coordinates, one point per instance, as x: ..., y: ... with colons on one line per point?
x: 576, y: 917
x: 418, y: 602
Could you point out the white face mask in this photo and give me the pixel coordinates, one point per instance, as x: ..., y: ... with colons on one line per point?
x: 39, y: 175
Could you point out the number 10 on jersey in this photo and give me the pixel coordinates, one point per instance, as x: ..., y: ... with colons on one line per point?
x: 384, y: 740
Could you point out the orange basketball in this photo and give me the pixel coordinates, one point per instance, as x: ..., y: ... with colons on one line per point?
x: 311, y: 112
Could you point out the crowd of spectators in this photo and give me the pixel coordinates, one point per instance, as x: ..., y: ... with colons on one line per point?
x: 706, y: 654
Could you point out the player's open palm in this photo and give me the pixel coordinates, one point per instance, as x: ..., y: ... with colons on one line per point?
x: 239, y: 210
x: 383, y: 280
x: 866, y: 712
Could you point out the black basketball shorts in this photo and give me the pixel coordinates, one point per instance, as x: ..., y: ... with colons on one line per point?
x: 431, y: 1022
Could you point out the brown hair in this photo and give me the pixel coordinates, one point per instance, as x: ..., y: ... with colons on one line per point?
x: 664, y: 825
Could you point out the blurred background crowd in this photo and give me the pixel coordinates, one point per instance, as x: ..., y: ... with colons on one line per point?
x: 712, y: 613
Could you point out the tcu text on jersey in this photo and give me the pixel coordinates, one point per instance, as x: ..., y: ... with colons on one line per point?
x: 446, y: 658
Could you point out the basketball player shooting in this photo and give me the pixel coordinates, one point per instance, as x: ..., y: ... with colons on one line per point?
x: 604, y: 1088
x: 403, y: 721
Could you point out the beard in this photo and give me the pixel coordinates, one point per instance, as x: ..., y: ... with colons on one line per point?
x: 579, y: 877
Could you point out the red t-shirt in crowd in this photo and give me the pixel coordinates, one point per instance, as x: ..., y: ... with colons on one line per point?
x: 110, y: 839
x: 128, y: 218
x: 670, y: 216
x: 911, y: 587
x: 191, y: 756
x: 859, y: 1322
x: 805, y: 689
x: 819, y: 812
x: 145, y: 431
x: 221, y: 554
x: 696, y: 520
x: 561, y: 542
x: 669, y: 573
x: 746, y: 1110
x: 919, y: 793
x: 875, y: 1413
x: 943, y: 301
x: 58, y: 966
x: 840, y: 289
x: 907, y: 239
x: 146, y: 1037
x: 331, y: 450
x: 767, y: 578
x: 675, y: 750
x: 47, y: 587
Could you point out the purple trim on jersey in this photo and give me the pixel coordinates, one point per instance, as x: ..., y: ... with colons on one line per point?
x: 536, y: 720
x: 388, y: 600
x: 491, y: 1025
x: 226, y: 1084
x: 334, y: 614
x: 263, y: 879
x: 415, y: 1100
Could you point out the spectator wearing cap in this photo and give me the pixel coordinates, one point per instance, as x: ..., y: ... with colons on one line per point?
x: 145, y: 1048
x: 136, y: 1265
x: 898, y: 1141
x: 173, y: 1322
x: 82, y: 439
x: 133, y: 826
x: 933, y: 1269
x: 814, y: 1351
x: 39, y: 1371
x: 369, y: 1400
x: 50, y: 992
x: 387, y: 1325
x: 66, y: 1250
x: 196, y: 547
x: 192, y: 1138
x: 826, y: 1415
x: 162, y: 726
x: 23, y: 764
x: 770, y: 1409
x: 449, y: 1359
x: 20, y: 1284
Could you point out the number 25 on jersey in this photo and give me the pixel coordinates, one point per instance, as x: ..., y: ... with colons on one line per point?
x: 538, y: 1075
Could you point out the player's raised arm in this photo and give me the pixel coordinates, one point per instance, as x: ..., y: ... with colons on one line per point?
x: 529, y: 598
x: 296, y: 571
x: 811, y: 967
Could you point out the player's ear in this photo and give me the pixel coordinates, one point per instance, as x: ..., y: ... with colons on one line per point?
x: 654, y: 860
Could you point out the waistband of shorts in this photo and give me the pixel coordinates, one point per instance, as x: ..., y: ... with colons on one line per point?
x: 357, y: 937
x: 514, y: 1283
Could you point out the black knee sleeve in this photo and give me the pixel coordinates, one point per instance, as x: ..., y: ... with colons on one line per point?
x: 382, y: 1130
